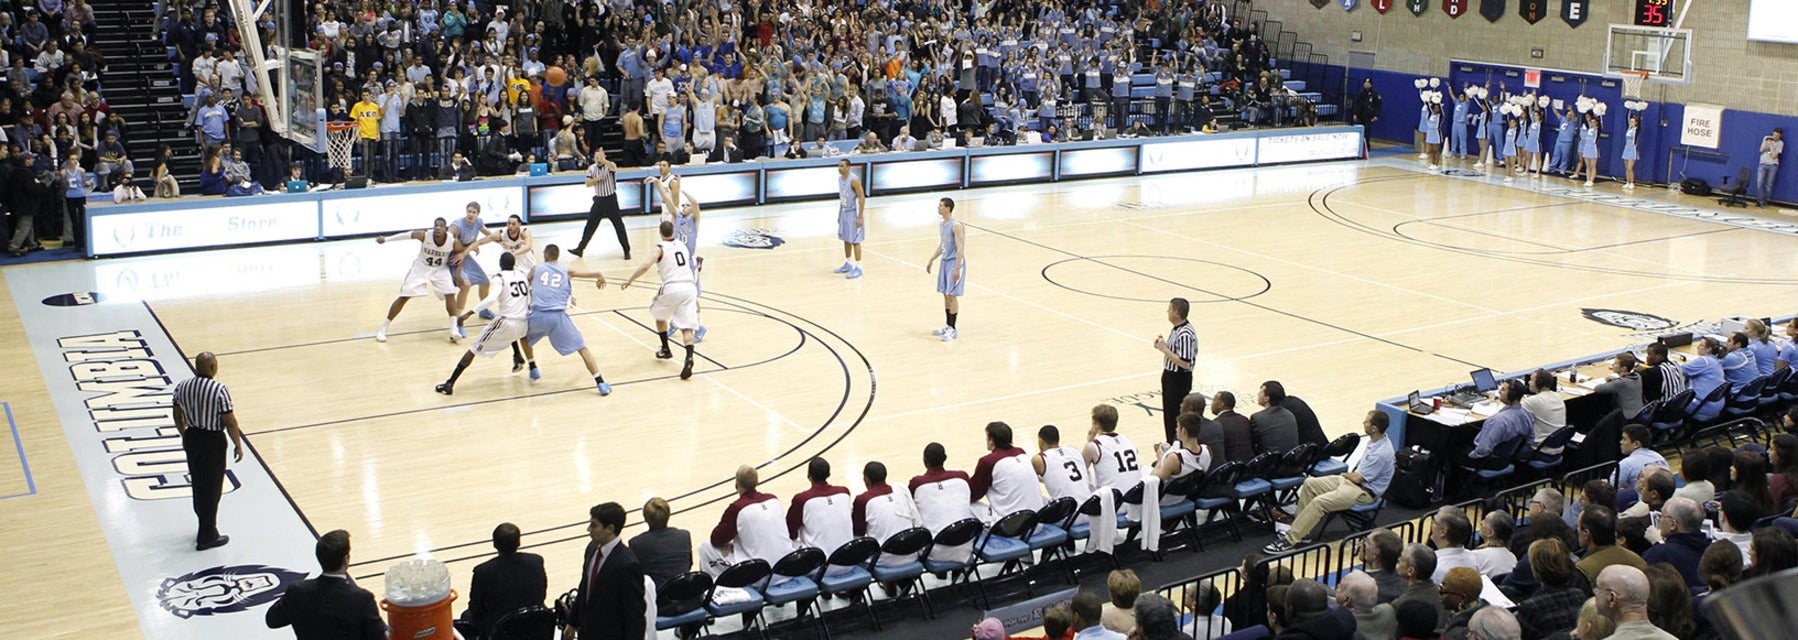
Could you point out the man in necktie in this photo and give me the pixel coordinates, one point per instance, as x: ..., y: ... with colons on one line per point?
x: 611, y: 602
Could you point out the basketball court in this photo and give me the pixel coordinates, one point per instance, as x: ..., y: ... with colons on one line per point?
x: 1349, y: 282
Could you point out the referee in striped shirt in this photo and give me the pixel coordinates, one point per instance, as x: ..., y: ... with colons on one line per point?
x: 603, y: 177
x: 203, y: 416
x: 1177, y: 352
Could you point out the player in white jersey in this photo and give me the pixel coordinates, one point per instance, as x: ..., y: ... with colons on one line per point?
x: 430, y: 274
x: 1112, y: 456
x: 1184, y: 460
x: 943, y: 497
x: 820, y: 515
x: 516, y: 240
x: 752, y: 527
x: 681, y: 208
x: 881, y: 512
x: 511, y: 299
x: 1062, y: 469
x: 677, y: 301
x: 1003, y: 478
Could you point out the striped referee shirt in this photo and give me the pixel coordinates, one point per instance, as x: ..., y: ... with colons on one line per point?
x: 608, y: 181
x: 1184, y: 342
x: 202, y: 401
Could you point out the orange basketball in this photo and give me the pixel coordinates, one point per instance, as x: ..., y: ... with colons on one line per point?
x: 556, y: 76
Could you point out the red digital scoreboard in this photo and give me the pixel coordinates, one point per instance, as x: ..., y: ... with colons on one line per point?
x: 1654, y: 13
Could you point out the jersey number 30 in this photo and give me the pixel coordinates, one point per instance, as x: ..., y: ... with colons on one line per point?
x: 521, y: 289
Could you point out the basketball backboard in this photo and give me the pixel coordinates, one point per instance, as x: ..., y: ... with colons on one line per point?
x: 1665, y: 54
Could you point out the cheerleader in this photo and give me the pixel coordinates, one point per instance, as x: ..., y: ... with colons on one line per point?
x: 1510, y: 147
x: 1457, y: 136
x: 1588, y: 148
x: 1423, y: 130
x: 1532, y: 142
x: 1629, y: 151
x: 1482, y: 112
x: 1433, y: 134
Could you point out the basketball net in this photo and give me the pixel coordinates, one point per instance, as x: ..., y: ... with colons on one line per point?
x: 1632, y: 83
x: 340, y: 140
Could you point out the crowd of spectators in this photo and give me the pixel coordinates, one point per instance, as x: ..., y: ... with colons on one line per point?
x: 59, y: 141
x: 513, y: 84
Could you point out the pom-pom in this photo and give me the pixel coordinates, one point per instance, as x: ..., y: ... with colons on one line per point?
x: 1542, y: 101
x: 1420, y: 83
x: 1435, y: 82
x: 1599, y: 109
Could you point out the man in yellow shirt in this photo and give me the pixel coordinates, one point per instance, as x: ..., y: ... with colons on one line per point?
x: 368, y: 126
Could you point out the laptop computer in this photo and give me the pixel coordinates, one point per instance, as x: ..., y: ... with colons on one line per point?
x: 1418, y: 406
x: 1483, y: 380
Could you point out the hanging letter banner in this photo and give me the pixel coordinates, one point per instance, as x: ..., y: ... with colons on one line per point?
x: 1381, y: 6
x: 1574, y: 12
x: 1348, y: 5
x: 1532, y: 11
x: 1417, y: 6
x: 1454, y: 8
x: 1492, y: 9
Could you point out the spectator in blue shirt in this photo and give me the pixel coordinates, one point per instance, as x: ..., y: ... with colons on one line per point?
x: 211, y: 120
x: 1508, y: 424
x: 1740, y: 365
x: 1365, y: 485
x: 78, y: 185
x: 1636, y: 456
x: 1705, y: 373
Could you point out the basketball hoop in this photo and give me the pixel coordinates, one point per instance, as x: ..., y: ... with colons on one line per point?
x: 1632, y: 83
x: 341, y: 140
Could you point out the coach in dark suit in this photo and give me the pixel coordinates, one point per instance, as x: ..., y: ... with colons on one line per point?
x: 504, y: 584
x: 610, y: 605
x: 1310, y: 430
x: 1239, y: 438
x: 329, y: 607
x: 1276, y: 431
x: 664, y: 552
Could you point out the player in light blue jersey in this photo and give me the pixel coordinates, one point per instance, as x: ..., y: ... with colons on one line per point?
x: 551, y: 290
x: 952, y: 249
x: 468, y: 274
x: 851, y: 201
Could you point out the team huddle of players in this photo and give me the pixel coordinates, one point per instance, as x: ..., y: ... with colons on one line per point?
x: 526, y: 301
